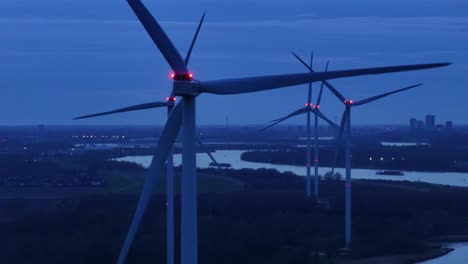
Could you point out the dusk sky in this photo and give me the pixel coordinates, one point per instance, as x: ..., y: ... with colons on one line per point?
x: 64, y: 58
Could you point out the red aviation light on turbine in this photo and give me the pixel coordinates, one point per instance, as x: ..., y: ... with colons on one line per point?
x: 181, y: 77
x: 317, y: 107
x: 171, y: 99
x: 348, y: 102
x: 308, y: 105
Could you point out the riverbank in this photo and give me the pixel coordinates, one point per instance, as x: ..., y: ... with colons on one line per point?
x: 400, y: 259
x: 417, y: 159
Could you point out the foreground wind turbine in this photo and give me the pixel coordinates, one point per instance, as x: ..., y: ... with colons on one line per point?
x: 309, y: 108
x: 169, y: 167
x: 183, y: 114
x: 170, y: 101
x: 346, y: 124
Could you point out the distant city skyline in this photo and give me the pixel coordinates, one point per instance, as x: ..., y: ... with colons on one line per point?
x: 62, y: 59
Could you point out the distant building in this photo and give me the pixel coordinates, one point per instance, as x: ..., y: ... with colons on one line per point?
x: 448, y: 124
x: 420, y: 124
x: 430, y: 121
x: 413, y: 123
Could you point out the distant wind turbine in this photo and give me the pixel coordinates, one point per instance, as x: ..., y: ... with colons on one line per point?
x: 308, y: 109
x: 346, y: 124
x: 183, y: 114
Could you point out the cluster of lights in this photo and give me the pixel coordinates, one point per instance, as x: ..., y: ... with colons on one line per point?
x: 348, y: 101
x: 172, y: 99
x: 92, y: 136
x: 381, y: 158
x: 311, y: 105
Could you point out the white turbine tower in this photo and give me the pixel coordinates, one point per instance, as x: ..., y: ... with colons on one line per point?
x: 346, y: 125
x: 308, y: 109
x: 183, y: 114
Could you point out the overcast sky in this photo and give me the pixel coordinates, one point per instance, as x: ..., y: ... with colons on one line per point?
x: 63, y: 58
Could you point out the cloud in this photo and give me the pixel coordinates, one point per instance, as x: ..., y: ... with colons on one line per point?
x: 362, y: 25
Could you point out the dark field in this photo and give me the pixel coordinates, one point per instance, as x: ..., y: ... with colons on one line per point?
x: 249, y: 216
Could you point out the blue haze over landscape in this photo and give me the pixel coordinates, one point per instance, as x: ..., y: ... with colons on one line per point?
x: 61, y: 59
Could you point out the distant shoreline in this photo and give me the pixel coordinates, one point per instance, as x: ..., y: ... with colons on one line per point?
x: 263, y: 157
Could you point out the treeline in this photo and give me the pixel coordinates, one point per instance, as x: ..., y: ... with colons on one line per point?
x: 28, y: 171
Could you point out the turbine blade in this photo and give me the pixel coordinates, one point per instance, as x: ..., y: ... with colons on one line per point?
x: 262, y: 83
x: 126, y: 109
x: 334, y: 91
x: 377, y: 97
x: 309, y: 98
x: 165, y: 145
x: 339, y: 138
x: 324, y: 118
x: 187, y: 57
x: 319, y: 98
x: 209, y: 155
x: 312, y: 59
x: 279, y: 120
x: 159, y: 37
x: 302, y: 61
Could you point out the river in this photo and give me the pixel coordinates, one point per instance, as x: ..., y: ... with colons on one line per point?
x: 233, y: 157
x: 458, y: 256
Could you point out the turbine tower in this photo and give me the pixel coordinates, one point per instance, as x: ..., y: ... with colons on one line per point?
x: 308, y: 109
x: 183, y: 114
x: 345, y: 126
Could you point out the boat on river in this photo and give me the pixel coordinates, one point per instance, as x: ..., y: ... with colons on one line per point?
x: 390, y: 173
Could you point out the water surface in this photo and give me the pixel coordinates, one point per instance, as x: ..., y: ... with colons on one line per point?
x: 233, y: 157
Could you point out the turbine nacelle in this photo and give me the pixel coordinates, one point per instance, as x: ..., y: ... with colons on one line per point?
x: 186, y: 87
x: 348, y: 102
x: 310, y: 105
x: 171, y: 100
x: 181, y: 77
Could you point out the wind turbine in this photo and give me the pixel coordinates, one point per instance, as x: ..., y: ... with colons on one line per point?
x: 169, y: 168
x: 308, y: 109
x: 183, y: 114
x: 169, y: 104
x: 346, y: 124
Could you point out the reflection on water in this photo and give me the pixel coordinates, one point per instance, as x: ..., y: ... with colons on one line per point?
x: 403, y: 144
x: 233, y: 157
x: 458, y: 256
